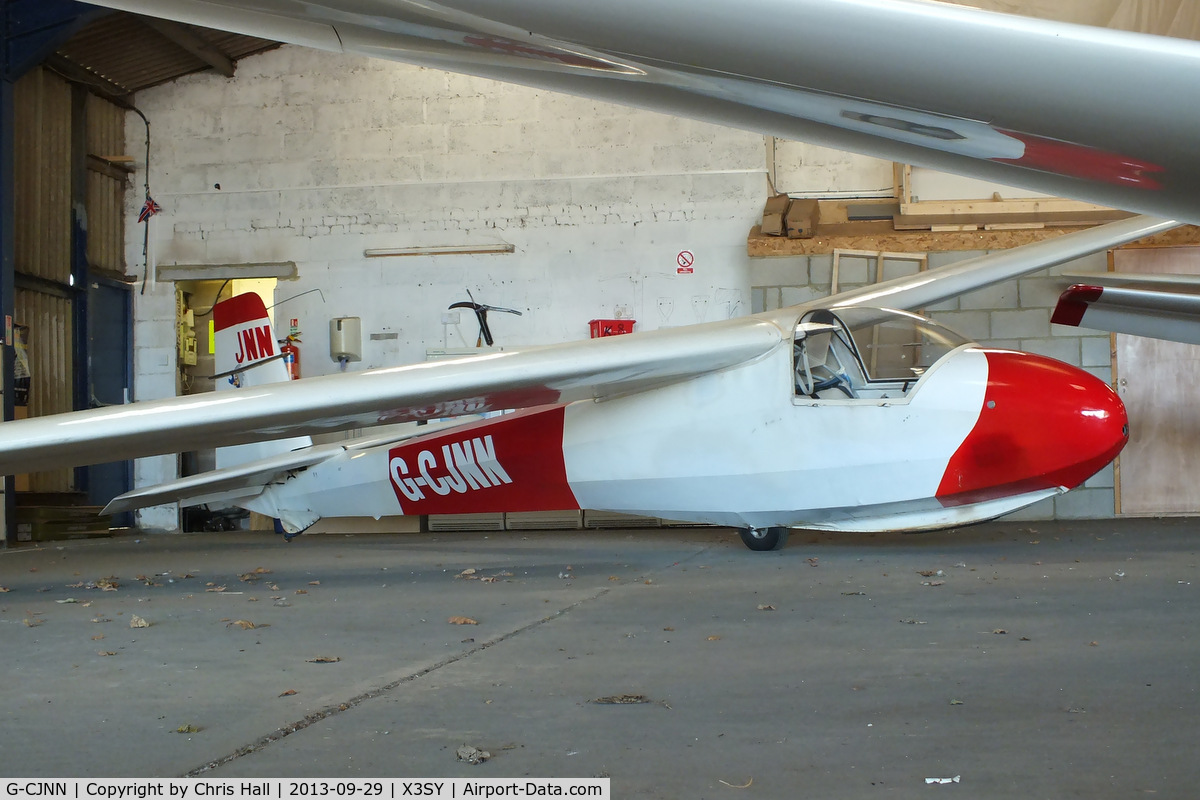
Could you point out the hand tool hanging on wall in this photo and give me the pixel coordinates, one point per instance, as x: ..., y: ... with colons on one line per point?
x: 485, y: 333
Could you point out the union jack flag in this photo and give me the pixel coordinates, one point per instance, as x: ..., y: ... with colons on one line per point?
x: 149, y: 209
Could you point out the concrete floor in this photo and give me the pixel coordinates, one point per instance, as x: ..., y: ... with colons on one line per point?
x: 1044, y: 660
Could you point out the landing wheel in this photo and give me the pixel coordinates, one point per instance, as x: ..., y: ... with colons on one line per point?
x: 287, y: 537
x: 763, y: 539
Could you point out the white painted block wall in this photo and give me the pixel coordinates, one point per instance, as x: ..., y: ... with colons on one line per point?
x: 314, y: 158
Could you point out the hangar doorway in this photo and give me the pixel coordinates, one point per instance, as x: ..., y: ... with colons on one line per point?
x: 1156, y: 473
x: 195, y: 298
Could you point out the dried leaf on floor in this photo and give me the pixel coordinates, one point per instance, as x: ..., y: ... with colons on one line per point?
x: 32, y: 623
x: 932, y: 583
x: 622, y: 699
x: 462, y: 621
x: 105, y: 653
x: 314, y: 583
x: 855, y: 594
x: 467, y: 573
x: 68, y: 600
x: 4, y: 589
x: 212, y: 587
x: 472, y: 755
x: 812, y: 562
x: 137, y: 622
x: 714, y: 638
x: 288, y: 693
x: 188, y: 729
x: 764, y: 607
x: 487, y: 580
x: 956, y: 702
x: 97, y: 637
x: 999, y: 631
x: 302, y: 591
x: 244, y: 624
x: 745, y: 785
x: 324, y: 660
x: 108, y: 584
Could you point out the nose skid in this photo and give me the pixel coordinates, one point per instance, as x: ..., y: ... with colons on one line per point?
x: 1043, y: 425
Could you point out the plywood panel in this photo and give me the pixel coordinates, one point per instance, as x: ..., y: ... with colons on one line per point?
x: 42, y: 176
x: 50, y: 366
x: 1157, y: 380
x: 105, y: 194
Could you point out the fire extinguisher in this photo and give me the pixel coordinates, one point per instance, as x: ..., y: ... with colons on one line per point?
x: 291, y: 356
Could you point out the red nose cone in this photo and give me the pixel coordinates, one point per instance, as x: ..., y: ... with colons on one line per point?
x: 1044, y: 424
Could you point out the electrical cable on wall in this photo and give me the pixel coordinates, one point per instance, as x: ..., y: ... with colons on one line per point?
x: 149, y: 208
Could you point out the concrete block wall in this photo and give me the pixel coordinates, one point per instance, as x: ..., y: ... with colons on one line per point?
x: 314, y: 158
x: 1013, y: 315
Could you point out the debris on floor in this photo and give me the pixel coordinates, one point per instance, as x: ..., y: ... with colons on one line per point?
x: 745, y: 785
x: 622, y: 699
x: 472, y: 755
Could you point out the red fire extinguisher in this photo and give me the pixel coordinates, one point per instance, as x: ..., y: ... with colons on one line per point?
x: 291, y: 356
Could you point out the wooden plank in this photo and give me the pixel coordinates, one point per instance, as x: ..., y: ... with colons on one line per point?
x: 1014, y: 226
x: 1156, y: 380
x: 880, y: 236
x: 1040, y: 205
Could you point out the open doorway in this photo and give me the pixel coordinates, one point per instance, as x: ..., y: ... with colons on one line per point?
x: 195, y: 344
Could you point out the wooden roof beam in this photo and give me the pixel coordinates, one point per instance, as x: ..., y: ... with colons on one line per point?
x: 183, y: 37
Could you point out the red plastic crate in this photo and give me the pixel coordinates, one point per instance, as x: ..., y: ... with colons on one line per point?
x: 611, y: 327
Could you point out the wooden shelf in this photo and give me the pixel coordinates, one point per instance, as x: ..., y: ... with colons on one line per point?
x: 881, y: 236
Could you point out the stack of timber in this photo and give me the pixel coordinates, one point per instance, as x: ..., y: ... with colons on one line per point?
x: 53, y: 517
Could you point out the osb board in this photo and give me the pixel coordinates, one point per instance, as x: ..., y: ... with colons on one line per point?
x: 881, y: 236
x: 1157, y: 380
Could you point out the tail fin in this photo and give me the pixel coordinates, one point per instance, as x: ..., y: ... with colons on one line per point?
x: 247, y: 354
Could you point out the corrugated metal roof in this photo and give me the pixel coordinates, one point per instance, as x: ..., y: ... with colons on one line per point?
x: 127, y: 52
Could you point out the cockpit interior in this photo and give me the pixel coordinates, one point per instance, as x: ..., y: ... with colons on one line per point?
x: 866, y: 353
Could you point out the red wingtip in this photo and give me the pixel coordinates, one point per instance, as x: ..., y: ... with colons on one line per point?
x: 1073, y: 303
x: 237, y: 310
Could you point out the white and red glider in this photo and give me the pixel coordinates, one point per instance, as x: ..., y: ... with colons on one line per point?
x: 848, y: 413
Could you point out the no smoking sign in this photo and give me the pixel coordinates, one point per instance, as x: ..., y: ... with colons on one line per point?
x: 685, y: 260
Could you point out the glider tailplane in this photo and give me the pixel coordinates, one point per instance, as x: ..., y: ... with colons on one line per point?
x: 1159, y: 306
x: 248, y: 354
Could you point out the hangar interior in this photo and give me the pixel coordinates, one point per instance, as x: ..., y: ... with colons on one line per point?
x: 339, y: 187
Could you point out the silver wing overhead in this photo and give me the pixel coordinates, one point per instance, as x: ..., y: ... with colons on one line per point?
x: 596, y: 368
x: 1159, y: 306
x: 1081, y: 112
